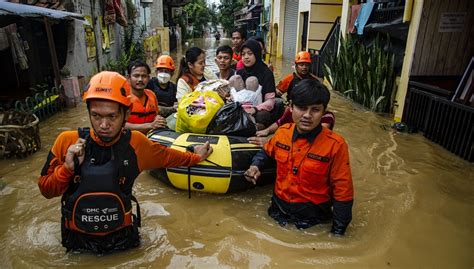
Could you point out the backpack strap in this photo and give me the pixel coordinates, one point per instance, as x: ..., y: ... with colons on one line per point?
x: 83, y: 133
x: 138, y: 219
x: 121, y: 147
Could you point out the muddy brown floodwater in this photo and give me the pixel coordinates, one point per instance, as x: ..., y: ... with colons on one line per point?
x: 414, y: 208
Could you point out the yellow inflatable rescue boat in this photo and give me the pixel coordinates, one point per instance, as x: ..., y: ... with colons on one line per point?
x: 222, y: 172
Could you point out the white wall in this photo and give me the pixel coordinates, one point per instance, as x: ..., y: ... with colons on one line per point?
x: 156, y: 15
x: 303, y: 6
x: 278, y: 17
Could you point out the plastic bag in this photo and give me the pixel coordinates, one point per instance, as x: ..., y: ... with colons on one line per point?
x: 232, y: 119
x: 196, y: 110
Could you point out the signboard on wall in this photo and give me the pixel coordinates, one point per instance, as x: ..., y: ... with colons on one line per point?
x: 451, y: 22
x: 90, y: 39
x: 104, y: 31
x: 152, y: 45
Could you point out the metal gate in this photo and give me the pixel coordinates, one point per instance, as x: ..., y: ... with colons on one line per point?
x: 442, y: 121
x: 290, y: 30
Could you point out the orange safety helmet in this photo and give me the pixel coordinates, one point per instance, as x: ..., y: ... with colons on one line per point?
x: 303, y: 57
x: 165, y: 61
x: 108, y: 85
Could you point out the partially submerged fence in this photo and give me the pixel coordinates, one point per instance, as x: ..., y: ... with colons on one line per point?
x: 441, y: 120
x: 42, y: 104
x: 19, y: 129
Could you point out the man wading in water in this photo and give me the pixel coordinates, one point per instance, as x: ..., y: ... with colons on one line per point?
x: 314, y: 180
x: 94, y: 170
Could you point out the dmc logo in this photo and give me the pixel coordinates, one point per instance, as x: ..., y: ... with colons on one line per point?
x: 92, y: 210
x: 103, y: 89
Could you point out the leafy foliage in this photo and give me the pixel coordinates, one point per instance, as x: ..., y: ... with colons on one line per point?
x: 214, y: 16
x: 363, y: 74
x: 132, y: 49
x: 198, y: 15
x: 226, y: 13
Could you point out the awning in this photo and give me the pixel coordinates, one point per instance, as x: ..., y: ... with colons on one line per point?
x: 27, y: 11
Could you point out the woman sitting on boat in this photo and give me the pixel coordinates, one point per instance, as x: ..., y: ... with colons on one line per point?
x: 192, y: 71
x: 266, y: 113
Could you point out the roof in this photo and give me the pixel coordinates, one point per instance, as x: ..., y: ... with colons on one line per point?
x: 13, y: 9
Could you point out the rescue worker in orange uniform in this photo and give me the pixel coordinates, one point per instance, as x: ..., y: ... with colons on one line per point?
x: 302, y: 71
x: 161, y: 85
x: 314, y: 181
x: 94, y: 170
x: 144, y: 112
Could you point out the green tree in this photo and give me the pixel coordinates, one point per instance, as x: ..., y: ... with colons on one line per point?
x: 226, y: 13
x: 214, y: 16
x: 199, y: 15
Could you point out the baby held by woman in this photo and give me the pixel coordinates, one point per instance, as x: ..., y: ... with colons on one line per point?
x: 249, y: 94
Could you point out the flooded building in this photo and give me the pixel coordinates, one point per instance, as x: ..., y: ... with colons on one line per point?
x: 432, y: 57
x: 249, y: 17
x: 301, y: 25
x: 74, y: 39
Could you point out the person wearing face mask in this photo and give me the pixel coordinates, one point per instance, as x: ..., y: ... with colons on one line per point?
x: 192, y: 71
x: 144, y: 113
x: 164, y: 89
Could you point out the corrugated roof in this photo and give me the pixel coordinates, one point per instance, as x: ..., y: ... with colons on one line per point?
x: 29, y: 11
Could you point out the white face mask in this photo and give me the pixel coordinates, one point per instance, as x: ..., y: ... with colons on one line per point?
x: 163, y: 77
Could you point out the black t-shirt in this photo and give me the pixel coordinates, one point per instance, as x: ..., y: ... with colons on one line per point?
x: 165, y: 97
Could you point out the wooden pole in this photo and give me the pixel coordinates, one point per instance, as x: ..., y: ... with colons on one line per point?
x: 52, y: 52
x: 97, y: 43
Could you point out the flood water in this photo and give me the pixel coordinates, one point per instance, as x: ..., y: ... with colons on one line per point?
x: 414, y: 205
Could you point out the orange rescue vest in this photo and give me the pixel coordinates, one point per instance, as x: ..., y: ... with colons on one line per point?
x: 143, y: 112
x: 285, y: 83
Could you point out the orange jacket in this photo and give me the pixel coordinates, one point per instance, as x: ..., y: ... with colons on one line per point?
x: 291, y: 80
x: 285, y: 83
x: 322, y: 167
x: 55, y: 177
x: 146, y: 111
